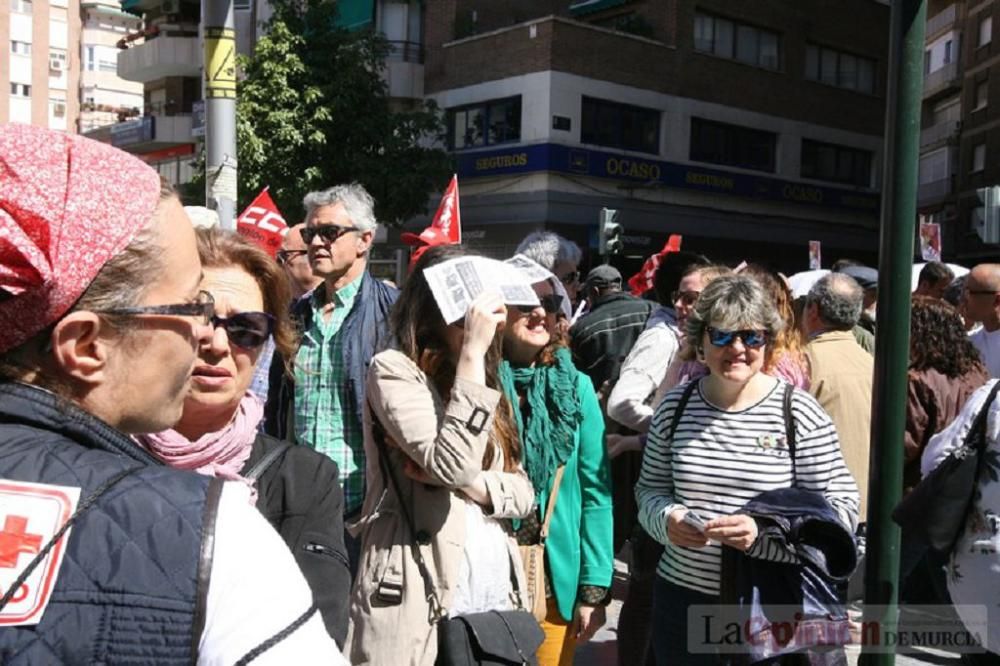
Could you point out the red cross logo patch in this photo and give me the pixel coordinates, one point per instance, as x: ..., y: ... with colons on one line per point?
x: 30, y: 515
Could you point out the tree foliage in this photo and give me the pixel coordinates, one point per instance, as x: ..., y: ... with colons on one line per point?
x: 313, y: 111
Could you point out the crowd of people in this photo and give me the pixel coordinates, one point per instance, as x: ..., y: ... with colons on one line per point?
x: 287, y: 460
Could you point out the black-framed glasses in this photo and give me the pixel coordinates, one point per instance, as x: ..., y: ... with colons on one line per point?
x: 329, y: 233
x: 202, y: 306
x: 752, y: 339
x: 570, y: 278
x: 286, y: 256
x: 981, y: 292
x: 249, y: 330
x: 685, y: 297
x: 551, y: 303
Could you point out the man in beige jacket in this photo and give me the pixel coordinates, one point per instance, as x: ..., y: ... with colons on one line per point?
x: 840, y: 370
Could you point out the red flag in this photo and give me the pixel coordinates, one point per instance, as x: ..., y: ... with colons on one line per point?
x: 262, y: 224
x: 642, y: 281
x: 448, y: 217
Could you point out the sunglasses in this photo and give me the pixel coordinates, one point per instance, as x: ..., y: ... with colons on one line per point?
x: 751, y: 339
x: 202, y: 307
x: 329, y: 233
x: 551, y: 303
x: 286, y: 256
x: 570, y: 278
x: 248, y: 330
x: 685, y: 297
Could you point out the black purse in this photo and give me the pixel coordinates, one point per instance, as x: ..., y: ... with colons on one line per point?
x: 936, y: 508
x: 493, y: 638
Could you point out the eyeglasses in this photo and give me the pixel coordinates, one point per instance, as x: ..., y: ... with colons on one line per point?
x: 981, y: 292
x: 328, y: 232
x: 685, y: 297
x: 249, y: 330
x: 203, y: 306
x: 751, y: 338
x: 570, y: 278
x: 285, y: 256
x: 551, y: 303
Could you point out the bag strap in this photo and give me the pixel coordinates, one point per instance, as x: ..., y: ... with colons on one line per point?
x: 264, y: 463
x: 681, y: 404
x: 80, y: 510
x: 551, y: 504
x: 789, y: 425
x: 977, y: 433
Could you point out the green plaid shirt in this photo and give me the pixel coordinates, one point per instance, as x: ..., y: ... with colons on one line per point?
x: 324, y: 419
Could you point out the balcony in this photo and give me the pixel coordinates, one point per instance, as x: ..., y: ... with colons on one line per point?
x: 934, y: 191
x: 404, y: 70
x: 942, y: 80
x: 170, y: 53
x: 942, y: 21
x: 150, y: 133
x: 940, y: 133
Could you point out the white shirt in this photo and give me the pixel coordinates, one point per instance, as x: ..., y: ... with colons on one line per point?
x: 255, y: 591
x: 988, y: 345
x: 974, y: 567
x: 643, y: 371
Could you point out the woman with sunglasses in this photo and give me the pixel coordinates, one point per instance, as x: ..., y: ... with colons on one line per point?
x: 294, y: 487
x: 721, y: 449
x: 561, y: 425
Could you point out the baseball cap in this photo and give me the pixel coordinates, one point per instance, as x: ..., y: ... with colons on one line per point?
x: 603, y: 277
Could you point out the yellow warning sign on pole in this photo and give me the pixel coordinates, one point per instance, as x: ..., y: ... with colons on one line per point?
x: 220, y: 62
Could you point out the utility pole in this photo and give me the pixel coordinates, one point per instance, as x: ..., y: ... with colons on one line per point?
x: 892, y: 343
x: 220, y: 109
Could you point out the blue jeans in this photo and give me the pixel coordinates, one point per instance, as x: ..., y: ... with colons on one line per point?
x: 670, y: 624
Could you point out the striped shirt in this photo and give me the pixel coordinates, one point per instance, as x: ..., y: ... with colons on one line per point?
x: 718, y: 461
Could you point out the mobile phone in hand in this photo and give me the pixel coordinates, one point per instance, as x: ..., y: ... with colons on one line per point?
x: 695, y: 521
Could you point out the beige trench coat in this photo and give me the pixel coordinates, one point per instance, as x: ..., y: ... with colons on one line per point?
x: 390, y: 614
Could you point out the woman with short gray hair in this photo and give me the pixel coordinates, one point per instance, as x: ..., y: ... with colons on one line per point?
x: 717, y: 443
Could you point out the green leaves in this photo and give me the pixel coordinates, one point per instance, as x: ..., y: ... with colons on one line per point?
x: 313, y: 111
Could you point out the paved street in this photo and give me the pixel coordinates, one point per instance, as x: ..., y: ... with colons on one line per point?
x: 602, y: 650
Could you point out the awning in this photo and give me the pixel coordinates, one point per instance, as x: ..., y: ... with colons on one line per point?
x: 581, y: 7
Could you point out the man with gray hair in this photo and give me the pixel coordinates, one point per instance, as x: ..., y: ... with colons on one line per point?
x: 556, y: 254
x: 840, y: 370
x: 343, y: 323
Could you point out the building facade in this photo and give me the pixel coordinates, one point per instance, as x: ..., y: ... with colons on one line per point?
x: 105, y: 98
x: 960, y: 136
x: 750, y: 128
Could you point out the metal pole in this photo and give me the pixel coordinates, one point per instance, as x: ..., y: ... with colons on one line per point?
x: 892, y: 344
x: 220, y: 109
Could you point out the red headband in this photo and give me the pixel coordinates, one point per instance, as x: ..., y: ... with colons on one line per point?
x: 67, y: 205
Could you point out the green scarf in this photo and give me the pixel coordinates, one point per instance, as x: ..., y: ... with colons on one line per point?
x: 554, y: 414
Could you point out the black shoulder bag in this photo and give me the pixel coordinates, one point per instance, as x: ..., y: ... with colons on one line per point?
x: 499, y: 638
x: 936, y: 508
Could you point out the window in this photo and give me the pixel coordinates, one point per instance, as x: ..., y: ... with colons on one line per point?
x: 934, y: 167
x: 982, y: 92
x: 20, y: 48
x: 57, y: 60
x: 22, y: 6
x: 20, y: 90
x: 57, y: 107
x: 58, y: 14
x: 89, y: 61
x: 843, y: 70
x: 839, y: 164
x: 242, y: 5
x: 732, y: 145
x: 622, y: 126
x: 736, y: 41
x: 985, y: 30
x: 979, y: 157
x: 485, y: 124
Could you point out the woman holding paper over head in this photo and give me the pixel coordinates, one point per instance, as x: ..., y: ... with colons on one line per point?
x: 562, y: 439
x: 443, y: 466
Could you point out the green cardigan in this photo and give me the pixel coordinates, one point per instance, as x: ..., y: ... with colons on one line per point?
x: 579, y: 549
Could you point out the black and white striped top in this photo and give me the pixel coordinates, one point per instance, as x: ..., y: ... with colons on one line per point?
x: 719, y: 460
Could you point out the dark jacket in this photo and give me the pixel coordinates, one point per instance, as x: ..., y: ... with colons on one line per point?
x: 602, y: 338
x: 133, y: 584
x: 823, y: 554
x: 300, y: 495
x: 364, y: 332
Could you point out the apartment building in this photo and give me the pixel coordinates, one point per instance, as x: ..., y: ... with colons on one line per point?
x: 960, y: 136
x: 41, y: 74
x: 750, y: 128
x: 105, y: 98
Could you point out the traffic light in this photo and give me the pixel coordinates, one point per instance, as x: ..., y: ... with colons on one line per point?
x: 610, y: 236
x: 988, y: 214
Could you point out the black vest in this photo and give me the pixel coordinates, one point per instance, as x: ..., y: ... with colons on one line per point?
x: 134, y: 581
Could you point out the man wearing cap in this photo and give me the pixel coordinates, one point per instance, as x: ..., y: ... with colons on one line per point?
x: 107, y: 555
x: 344, y: 321
x: 427, y: 238
x: 602, y: 338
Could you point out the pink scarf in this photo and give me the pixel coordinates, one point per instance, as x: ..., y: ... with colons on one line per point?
x: 222, y: 454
